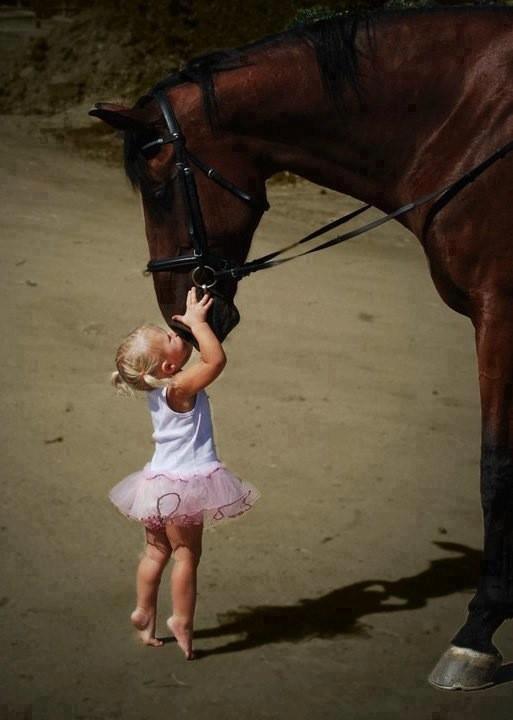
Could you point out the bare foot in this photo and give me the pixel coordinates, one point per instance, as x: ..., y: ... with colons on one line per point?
x: 144, y: 621
x: 183, y: 635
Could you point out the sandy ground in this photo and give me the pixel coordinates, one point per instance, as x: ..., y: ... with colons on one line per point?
x: 349, y: 399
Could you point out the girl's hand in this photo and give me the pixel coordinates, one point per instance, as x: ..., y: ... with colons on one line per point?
x: 190, y: 381
x: 196, y: 310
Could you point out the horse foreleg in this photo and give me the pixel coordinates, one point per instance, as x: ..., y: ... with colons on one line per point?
x: 472, y: 659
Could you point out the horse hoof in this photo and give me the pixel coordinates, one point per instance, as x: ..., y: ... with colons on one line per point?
x: 464, y: 669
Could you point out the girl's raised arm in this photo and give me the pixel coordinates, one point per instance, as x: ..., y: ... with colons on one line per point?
x: 212, y: 357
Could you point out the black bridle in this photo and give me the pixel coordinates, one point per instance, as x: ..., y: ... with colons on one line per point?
x: 207, y: 268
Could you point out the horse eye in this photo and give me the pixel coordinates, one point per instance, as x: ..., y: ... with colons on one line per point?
x: 162, y: 195
x: 151, y: 152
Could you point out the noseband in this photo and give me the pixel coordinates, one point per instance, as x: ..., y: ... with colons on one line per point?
x: 205, y: 266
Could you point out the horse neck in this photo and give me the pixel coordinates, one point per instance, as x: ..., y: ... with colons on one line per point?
x: 411, y: 81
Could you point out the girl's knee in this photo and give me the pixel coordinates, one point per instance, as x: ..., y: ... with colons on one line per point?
x: 157, y: 554
x: 157, y: 546
x: 187, y: 552
x: 185, y: 541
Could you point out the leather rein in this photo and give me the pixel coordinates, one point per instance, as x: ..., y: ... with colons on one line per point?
x: 207, y: 268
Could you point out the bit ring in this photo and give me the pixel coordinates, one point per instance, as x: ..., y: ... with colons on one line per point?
x: 202, y: 284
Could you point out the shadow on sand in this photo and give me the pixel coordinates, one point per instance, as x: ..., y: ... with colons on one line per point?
x: 339, y: 612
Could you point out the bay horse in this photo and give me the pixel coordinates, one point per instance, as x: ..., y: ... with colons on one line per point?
x: 383, y: 107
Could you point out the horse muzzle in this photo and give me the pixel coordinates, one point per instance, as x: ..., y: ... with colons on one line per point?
x: 222, y: 318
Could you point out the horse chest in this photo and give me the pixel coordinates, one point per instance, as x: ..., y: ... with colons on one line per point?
x: 454, y: 296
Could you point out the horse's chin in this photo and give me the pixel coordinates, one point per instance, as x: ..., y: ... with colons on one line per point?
x: 222, y: 319
x: 184, y: 332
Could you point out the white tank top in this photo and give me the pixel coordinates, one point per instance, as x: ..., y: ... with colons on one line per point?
x: 183, y: 440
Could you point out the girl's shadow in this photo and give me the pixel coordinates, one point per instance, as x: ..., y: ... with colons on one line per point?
x: 339, y: 611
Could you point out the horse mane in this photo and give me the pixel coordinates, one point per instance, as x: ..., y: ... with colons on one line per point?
x: 332, y: 38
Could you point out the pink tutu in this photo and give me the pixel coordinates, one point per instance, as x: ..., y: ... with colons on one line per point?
x: 206, y: 496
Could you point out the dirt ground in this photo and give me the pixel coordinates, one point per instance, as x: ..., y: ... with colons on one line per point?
x: 350, y: 399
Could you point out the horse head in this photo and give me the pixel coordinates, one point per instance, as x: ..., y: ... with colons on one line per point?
x: 229, y: 185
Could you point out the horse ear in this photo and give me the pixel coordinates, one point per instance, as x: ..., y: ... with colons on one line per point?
x: 117, y: 116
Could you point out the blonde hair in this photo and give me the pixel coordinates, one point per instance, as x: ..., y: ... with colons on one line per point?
x: 137, y: 359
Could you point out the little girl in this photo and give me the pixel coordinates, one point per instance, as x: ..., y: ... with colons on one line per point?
x: 184, y: 487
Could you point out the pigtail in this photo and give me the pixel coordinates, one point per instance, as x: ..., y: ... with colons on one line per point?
x: 120, y: 385
x: 153, y: 382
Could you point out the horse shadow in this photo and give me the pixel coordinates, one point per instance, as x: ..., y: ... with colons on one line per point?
x: 339, y: 612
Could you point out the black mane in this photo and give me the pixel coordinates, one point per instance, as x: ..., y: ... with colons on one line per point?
x: 333, y: 40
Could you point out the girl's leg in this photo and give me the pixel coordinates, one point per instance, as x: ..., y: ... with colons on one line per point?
x: 156, y: 555
x: 186, y: 544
